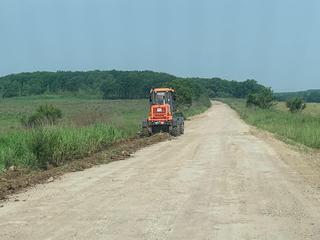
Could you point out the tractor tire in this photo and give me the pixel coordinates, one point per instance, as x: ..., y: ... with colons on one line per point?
x: 175, y: 131
x: 182, y: 129
x: 145, y: 132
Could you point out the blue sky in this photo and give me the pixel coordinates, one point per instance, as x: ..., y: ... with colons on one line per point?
x: 276, y: 42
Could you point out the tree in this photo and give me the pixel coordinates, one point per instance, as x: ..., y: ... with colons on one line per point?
x: 184, y: 91
x: 118, y: 84
x: 109, y: 89
x: 296, y: 105
x: 262, y: 99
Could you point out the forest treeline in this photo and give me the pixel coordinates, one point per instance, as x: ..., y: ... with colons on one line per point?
x: 119, y: 84
x: 308, y: 96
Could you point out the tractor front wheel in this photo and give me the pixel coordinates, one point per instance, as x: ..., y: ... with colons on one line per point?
x: 175, y: 131
x: 145, y: 132
x: 182, y: 129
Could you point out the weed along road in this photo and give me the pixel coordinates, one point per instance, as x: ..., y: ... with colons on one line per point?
x: 220, y: 180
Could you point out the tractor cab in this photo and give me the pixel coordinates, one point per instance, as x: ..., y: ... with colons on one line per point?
x: 161, y: 105
x: 161, y: 96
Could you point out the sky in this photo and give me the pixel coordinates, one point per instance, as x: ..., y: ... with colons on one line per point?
x: 276, y: 42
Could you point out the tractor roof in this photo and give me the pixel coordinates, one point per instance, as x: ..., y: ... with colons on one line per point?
x: 162, y: 90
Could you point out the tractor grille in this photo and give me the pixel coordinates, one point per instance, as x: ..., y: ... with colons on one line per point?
x: 159, y: 112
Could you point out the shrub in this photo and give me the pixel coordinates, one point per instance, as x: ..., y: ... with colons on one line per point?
x: 262, y: 99
x: 45, y: 114
x: 296, y: 105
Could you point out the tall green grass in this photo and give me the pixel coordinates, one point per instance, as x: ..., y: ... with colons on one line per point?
x: 54, y: 146
x: 300, y: 128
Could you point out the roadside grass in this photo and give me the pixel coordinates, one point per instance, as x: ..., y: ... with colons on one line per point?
x: 303, y: 128
x: 53, y: 146
x: 88, y: 126
x: 198, y: 107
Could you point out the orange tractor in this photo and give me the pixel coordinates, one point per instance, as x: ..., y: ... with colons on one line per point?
x: 163, y: 116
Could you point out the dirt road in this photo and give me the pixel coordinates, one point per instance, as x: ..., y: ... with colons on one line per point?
x: 218, y: 181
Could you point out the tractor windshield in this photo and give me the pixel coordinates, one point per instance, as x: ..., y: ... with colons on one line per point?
x: 161, y: 98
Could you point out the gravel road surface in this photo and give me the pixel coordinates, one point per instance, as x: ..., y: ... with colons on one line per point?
x: 218, y: 181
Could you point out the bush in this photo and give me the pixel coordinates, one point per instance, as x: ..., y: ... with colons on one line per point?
x: 296, y: 105
x: 262, y: 99
x: 45, y: 114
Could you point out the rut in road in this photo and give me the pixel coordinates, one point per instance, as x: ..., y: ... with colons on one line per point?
x: 218, y: 181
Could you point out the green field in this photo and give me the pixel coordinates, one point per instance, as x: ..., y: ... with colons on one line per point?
x: 125, y: 114
x: 88, y: 125
x: 303, y: 128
